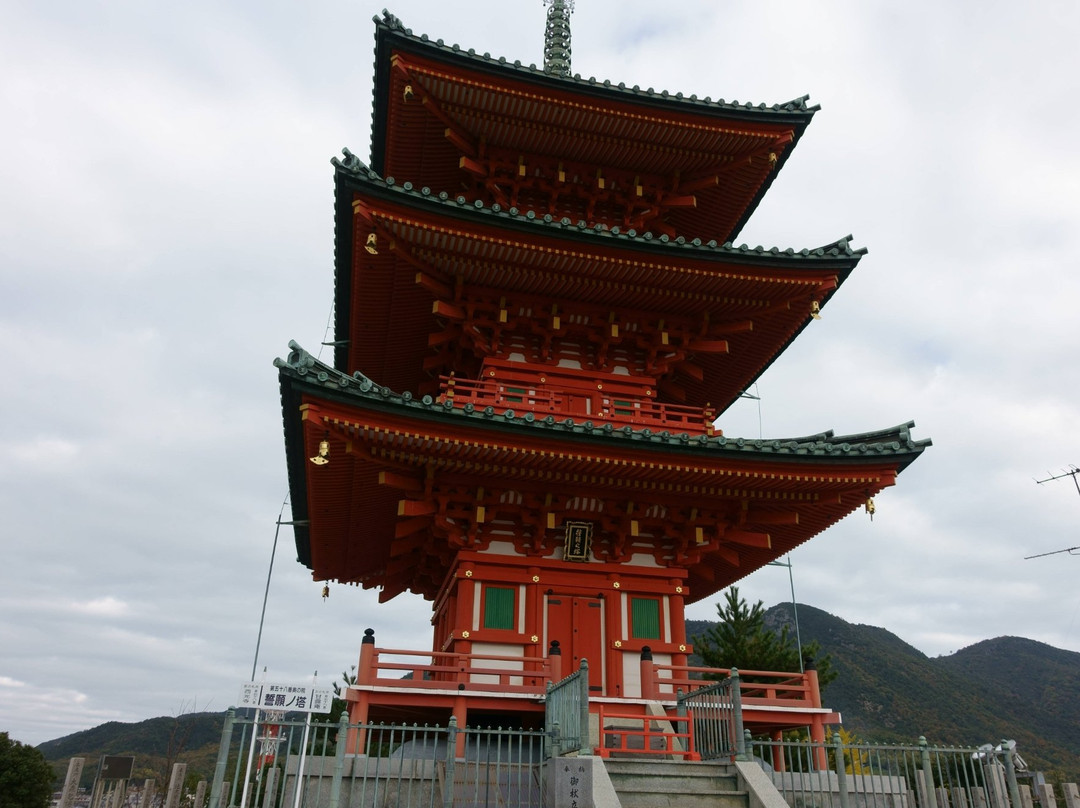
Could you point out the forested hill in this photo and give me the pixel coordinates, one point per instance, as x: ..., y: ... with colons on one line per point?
x: 887, y: 690
x: 156, y: 744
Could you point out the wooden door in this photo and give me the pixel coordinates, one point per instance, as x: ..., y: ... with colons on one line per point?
x: 578, y: 624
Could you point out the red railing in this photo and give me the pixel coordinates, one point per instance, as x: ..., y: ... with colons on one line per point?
x: 388, y: 667
x: 637, y: 734
x: 766, y: 688
x: 602, y: 408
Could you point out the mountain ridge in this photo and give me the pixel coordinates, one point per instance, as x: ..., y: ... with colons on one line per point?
x: 888, y: 691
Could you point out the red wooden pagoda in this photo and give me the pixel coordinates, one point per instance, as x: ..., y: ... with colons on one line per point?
x: 540, y: 313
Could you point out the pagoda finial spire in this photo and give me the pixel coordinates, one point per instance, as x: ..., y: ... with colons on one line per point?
x: 557, y: 37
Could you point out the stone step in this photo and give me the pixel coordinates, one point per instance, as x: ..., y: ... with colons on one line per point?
x: 680, y: 784
x: 687, y: 782
x: 639, y: 798
x: 670, y: 767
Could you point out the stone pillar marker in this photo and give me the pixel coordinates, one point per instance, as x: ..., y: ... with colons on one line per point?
x: 176, y: 785
x: 1025, y: 797
x: 200, y: 794
x: 71, y: 782
x: 149, y: 789
x: 1072, y: 795
x: 1046, y: 796
x: 119, y: 795
x: 573, y: 783
x: 270, y: 775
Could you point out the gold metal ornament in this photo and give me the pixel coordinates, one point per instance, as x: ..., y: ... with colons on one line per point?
x: 322, y: 458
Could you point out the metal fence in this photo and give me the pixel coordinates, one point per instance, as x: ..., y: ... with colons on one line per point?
x: 290, y: 764
x: 716, y: 711
x: 837, y: 775
x: 566, y: 713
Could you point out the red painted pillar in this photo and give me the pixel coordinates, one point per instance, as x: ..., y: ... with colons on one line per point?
x: 366, y: 674
x: 365, y: 668
x: 555, y: 661
x: 461, y: 714
x: 817, y: 737
x: 779, y: 763
x: 648, y: 675
x: 813, y: 693
x: 817, y: 726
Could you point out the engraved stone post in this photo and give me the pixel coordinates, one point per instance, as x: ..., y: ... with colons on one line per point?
x: 176, y: 785
x: 1072, y: 795
x: 1026, y: 800
x: 270, y: 775
x: 71, y: 782
x: 1046, y: 795
x: 149, y: 789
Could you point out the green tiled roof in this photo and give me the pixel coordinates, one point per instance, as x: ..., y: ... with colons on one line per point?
x: 352, y: 167
x: 302, y: 370
x: 388, y: 23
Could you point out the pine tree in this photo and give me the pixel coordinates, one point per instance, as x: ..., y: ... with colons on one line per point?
x: 741, y: 640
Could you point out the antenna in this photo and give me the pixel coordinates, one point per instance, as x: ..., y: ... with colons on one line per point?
x: 557, y: 37
x: 1072, y: 472
x: 1068, y: 550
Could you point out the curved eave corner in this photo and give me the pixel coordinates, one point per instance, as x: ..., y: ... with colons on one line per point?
x: 391, y: 34
x: 301, y: 369
x: 296, y: 465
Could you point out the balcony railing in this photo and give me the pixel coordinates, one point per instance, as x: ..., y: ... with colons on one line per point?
x: 396, y: 668
x: 597, y: 407
x: 764, y: 688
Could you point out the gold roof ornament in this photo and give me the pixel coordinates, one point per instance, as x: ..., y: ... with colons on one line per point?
x: 322, y: 458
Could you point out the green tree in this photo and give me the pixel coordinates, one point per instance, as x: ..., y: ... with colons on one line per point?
x: 26, y: 778
x: 742, y: 640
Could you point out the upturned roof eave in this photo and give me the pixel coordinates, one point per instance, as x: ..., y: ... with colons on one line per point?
x: 391, y: 34
x: 351, y: 176
x: 301, y: 373
x: 303, y: 378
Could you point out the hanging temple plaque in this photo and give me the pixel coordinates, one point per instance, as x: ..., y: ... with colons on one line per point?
x: 578, y: 543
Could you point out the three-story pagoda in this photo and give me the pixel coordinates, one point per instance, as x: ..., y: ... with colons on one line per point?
x: 540, y: 314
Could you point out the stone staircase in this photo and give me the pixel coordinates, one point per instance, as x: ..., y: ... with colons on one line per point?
x: 681, y: 784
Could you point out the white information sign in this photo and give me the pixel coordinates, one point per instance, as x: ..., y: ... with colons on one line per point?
x: 286, y: 697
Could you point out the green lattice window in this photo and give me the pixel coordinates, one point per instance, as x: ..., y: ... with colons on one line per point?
x: 645, y: 618
x: 498, y: 607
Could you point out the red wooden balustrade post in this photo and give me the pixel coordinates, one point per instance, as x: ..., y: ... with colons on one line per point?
x: 817, y: 726
x: 648, y: 674
x: 358, y: 709
x: 555, y: 661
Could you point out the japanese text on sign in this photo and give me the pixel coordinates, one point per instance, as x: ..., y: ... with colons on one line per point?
x: 286, y: 697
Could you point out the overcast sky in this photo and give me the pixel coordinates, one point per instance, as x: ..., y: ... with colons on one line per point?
x: 166, y: 227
